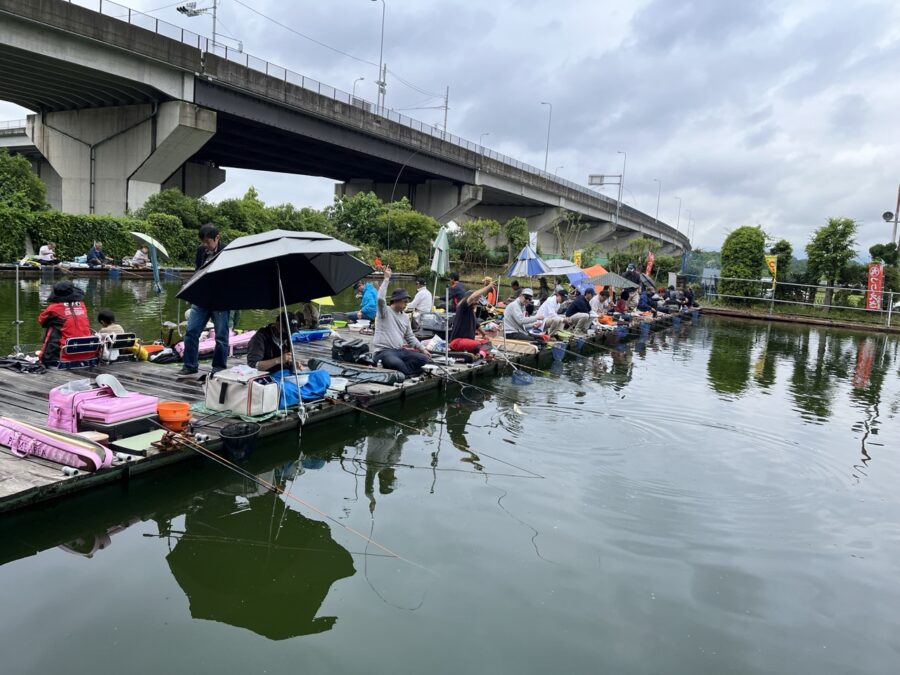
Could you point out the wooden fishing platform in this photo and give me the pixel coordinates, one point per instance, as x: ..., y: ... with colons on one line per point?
x: 25, y: 481
x: 8, y: 271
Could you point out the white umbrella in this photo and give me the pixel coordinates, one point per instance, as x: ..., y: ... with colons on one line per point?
x: 440, y: 261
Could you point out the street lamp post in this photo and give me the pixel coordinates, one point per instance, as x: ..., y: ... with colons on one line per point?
x: 381, y: 79
x: 678, y: 222
x: 556, y: 170
x: 358, y: 79
x: 549, y: 121
x: 658, y: 193
x: 481, y: 138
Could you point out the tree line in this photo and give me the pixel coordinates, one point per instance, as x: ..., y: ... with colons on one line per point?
x: 831, y: 261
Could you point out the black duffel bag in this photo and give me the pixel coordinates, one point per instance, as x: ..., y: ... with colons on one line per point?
x: 349, y: 351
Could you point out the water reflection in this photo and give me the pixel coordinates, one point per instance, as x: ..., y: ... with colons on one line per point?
x: 244, y: 558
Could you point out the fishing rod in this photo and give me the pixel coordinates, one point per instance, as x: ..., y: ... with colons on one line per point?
x: 222, y: 461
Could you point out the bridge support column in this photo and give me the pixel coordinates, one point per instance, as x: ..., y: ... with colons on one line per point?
x: 110, y: 160
x: 445, y: 201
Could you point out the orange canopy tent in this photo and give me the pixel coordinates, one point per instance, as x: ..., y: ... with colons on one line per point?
x: 595, y: 271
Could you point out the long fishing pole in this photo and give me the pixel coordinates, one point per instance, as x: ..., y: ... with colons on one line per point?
x: 205, y: 452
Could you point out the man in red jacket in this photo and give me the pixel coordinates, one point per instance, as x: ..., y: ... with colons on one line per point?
x: 66, y: 317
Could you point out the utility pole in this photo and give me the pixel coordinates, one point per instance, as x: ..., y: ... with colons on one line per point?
x: 894, y: 235
x: 549, y: 121
x: 446, y: 107
x: 658, y: 193
x: 678, y: 222
x: 621, y: 184
x: 381, y: 69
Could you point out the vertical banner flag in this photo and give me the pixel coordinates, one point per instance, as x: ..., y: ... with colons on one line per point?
x: 577, y: 257
x: 532, y: 240
x: 651, y: 257
x: 772, y: 263
x: 876, y: 283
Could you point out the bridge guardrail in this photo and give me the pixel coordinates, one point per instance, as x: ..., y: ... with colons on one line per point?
x: 141, y: 20
x: 12, y: 124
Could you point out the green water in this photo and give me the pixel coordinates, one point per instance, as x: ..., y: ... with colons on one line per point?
x: 716, y: 498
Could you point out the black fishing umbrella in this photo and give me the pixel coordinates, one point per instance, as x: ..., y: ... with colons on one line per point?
x: 253, y: 272
x: 261, y: 567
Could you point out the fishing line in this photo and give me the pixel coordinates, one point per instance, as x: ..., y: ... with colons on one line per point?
x: 199, y: 449
x: 425, y: 432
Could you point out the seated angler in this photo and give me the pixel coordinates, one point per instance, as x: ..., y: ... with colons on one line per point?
x: 270, y: 347
x: 107, y: 321
x: 515, y: 324
x: 423, y: 302
x: 467, y: 335
x: 549, y: 314
x: 578, y: 315
x: 394, y: 344
x: 65, y: 317
x: 96, y: 257
x: 368, y: 304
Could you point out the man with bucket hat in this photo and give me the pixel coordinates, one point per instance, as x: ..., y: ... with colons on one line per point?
x: 65, y: 317
x: 394, y: 341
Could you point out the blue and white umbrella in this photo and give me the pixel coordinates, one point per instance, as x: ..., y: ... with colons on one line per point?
x: 527, y: 264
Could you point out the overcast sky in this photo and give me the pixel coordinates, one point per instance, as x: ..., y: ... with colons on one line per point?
x: 753, y: 112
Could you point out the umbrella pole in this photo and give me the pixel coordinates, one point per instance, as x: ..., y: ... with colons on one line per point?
x: 18, y: 320
x: 302, y: 411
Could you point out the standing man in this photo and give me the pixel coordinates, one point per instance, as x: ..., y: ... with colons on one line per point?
x: 457, y: 291
x: 210, y: 245
x: 393, y: 333
x: 423, y: 302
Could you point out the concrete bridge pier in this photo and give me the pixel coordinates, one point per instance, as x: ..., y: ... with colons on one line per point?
x: 110, y: 160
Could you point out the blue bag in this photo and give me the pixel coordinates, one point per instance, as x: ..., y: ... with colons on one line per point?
x: 317, y: 382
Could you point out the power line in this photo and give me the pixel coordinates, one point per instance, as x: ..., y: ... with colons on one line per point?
x: 414, y: 87
x: 306, y: 37
x: 338, y: 51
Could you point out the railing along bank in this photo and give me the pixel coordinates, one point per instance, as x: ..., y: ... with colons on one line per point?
x: 786, y: 294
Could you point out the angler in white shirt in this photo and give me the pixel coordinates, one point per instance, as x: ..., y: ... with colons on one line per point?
x: 549, y: 312
x: 423, y: 302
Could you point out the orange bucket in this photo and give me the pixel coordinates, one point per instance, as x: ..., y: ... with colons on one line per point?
x: 174, y: 415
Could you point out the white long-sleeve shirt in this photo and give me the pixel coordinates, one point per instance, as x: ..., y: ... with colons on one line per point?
x: 548, y: 308
x: 423, y: 302
x: 514, y: 319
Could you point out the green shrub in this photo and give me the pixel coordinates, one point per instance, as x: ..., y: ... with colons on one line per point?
x: 743, y: 258
x: 400, y: 261
x: 14, y: 226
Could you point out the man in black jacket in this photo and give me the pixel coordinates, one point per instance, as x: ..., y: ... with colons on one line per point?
x: 578, y: 314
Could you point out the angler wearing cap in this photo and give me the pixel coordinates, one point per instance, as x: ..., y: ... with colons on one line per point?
x: 66, y: 317
x: 394, y: 341
x: 515, y: 324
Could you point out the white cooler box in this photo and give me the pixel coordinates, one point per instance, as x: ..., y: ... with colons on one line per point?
x: 249, y: 394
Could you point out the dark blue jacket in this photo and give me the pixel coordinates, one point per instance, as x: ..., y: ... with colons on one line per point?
x: 579, y: 306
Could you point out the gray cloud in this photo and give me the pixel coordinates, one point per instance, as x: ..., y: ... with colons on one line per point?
x: 778, y: 113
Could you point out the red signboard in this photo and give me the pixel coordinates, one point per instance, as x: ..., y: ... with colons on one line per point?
x: 650, y: 258
x: 876, y: 283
